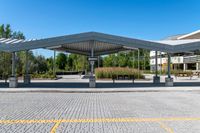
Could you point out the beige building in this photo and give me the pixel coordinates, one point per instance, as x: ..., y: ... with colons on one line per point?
x: 179, y: 61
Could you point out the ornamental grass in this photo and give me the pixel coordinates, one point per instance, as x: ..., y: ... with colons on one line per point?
x: 109, y: 72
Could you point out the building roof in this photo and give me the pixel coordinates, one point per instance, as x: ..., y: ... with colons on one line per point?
x: 174, y: 37
x: 192, y: 35
x: 178, y: 42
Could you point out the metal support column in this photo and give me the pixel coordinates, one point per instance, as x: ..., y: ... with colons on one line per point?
x: 13, y: 79
x: 13, y: 65
x: 160, y: 63
x: 92, y: 62
x: 144, y: 63
x: 156, y: 63
x: 184, y: 67
x: 26, y: 63
x: 92, y: 80
x: 138, y: 63
x: 156, y: 79
x: 169, y: 80
x: 168, y: 66
x: 98, y: 61
x: 27, y: 77
x: 54, y: 62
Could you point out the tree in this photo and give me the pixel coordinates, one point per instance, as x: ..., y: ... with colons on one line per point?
x: 5, y: 32
x: 61, y: 61
x: 18, y: 35
x: 80, y: 62
x: 50, y: 64
x: 77, y: 62
x: 70, y: 63
x: 108, y: 61
x: 40, y: 65
x: 128, y: 59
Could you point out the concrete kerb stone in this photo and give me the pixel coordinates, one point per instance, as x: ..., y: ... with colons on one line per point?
x: 160, y: 89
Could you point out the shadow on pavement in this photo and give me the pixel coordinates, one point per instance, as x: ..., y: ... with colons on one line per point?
x: 99, y: 85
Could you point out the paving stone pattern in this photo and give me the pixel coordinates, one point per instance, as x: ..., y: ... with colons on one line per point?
x: 57, y: 106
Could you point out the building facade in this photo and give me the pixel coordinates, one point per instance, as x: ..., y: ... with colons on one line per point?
x: 179, y: 61
x: 182, y: 62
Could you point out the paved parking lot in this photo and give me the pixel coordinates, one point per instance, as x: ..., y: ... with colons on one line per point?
x: 138, y: 112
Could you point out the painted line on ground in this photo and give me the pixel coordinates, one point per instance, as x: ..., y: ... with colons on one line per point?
x: 102, y: 120
x: 165, y: 127
x: 53, y: 130
x: 99, y: 120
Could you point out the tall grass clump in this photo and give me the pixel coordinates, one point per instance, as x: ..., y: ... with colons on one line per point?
x: 109, y: 72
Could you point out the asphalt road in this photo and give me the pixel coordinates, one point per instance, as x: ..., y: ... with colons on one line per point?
x: 133, y: 112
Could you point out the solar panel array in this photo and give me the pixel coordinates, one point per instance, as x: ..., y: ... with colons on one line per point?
x: 13, y: 41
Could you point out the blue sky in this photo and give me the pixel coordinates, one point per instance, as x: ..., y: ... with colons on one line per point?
x: 144, y: 19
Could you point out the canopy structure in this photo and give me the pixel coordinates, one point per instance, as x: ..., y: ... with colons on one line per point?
x: 102, y: 44
x: 94, y: 44
x: 82, y: 43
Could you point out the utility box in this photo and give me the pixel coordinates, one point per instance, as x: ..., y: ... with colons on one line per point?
x: 156, y: 80
x: 13, y: 82
x: 27, y: 79
x: 92, y: 82
x: 169, y: 82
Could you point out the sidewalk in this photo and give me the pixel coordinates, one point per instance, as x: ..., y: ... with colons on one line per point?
x: 99, y: 90
x: 78, y: 85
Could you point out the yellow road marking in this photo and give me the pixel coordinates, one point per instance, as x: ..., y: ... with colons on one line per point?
x: 166, y: 128
x: 99, y: 120
x: 53, y: 130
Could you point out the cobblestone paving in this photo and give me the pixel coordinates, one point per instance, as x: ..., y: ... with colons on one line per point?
x: 144, y: 112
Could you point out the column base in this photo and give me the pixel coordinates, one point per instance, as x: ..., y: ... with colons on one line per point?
x: 27, y: 79
x: 13, y: 82
x: 169, y: 82
x: 156, y: 79
x: 92, y: 82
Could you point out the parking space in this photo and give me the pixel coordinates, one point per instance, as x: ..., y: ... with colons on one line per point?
x: 26, y: 127
x: 142, y: 112
x: 108, y: 125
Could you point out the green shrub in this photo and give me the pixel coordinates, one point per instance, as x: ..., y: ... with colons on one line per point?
x: 48, y: 75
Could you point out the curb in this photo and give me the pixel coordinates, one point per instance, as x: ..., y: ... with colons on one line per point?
x: 93, y: 91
